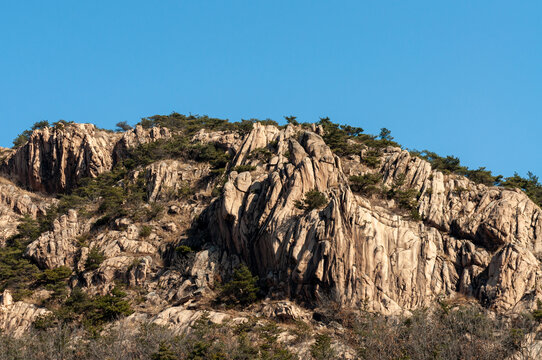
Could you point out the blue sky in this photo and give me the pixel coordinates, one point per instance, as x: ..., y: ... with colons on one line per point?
x: 455, y: 77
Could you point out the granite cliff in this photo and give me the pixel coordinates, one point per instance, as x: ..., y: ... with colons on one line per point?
x: 409, y: 238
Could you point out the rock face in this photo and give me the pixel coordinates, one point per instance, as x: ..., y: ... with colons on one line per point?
x: 137, y: 136
x: 361, y: 251
x: 489, y: 216
x: 226, y: 139
x: 14, y: 203
x: 363, y: 254
x: 165, y: 179
x: 55, y: 158
x: 58, y: 247
x: 17, y: 317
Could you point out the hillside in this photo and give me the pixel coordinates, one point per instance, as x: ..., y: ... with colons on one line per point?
x: 253, y: 240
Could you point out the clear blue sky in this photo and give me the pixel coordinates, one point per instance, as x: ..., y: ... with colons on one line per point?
x: 455, y: 77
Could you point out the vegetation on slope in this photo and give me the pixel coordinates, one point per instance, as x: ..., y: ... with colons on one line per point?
x: 18, y: 273
x: 448, y: 332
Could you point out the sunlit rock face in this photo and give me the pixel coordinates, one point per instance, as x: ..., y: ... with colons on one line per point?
x: 473, y: 239
x: 360, y: 251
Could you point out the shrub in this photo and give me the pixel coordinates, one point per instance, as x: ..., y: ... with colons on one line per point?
x: 268, y: 122
x: 415, y: 215
x: 177, y: 147
x: 55, y: 279
x: 371, y: 159
x: 241, y: 289
x: 155, y: 211
x: 44, y: 322
x: 291, y: 120
x: 365, y: 184
x: 406, y: 199
x: 210, y: 153
x: 537, y: 314
x: 94, y: 311
x: 40, y: 125
x: 321, y: 349
x: 243, y: 168
x: 183, y: 250
x: 301, y: 331
x: 22, y: 138
x: 313, y: 199
x: 461, y: 333
x: 94, y: 259
x: 16, y: 272
x: 261, y: 154
x: 190, y: 124
x: 109, y: 307
x: 483, y: 176
x: 29, y: 229
x: 123, y: 126
x: 145, y: 231
x: 385, y: 134
x: 185, y: 191
x: 451, y: 164
x: 60, y: 124
x: 164, y: 353
x: 337, y: 138
x: 446, y: 165
x: 113, y: 199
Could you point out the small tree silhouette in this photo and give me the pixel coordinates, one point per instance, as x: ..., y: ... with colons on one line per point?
x: 385, y: 134
x: 291, y: 120
x: 123, y: 126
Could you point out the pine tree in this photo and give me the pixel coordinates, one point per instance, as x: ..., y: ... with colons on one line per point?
x: 242, y: 288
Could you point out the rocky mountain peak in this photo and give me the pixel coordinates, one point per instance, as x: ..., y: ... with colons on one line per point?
x: 369, y: 226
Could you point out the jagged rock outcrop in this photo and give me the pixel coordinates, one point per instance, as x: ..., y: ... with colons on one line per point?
x: 14, y: 203
x: 284, y: 311
x: 193, y: 275
x: 138, y: 136
x: 17, y: 317
x: 58, y: 247
x: 166, y: 178
x: 181, y: 320
x: 362, y: 251
x: 512, y: 274
x: 490, y: 216
x: 5, y: 154
x: 22, y: 202
x: 359, y: 253
x: 55, y: 158
x: 226, y: 139
x: 178, y: 319
x: 127, y: 257
x: 259, y: 137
